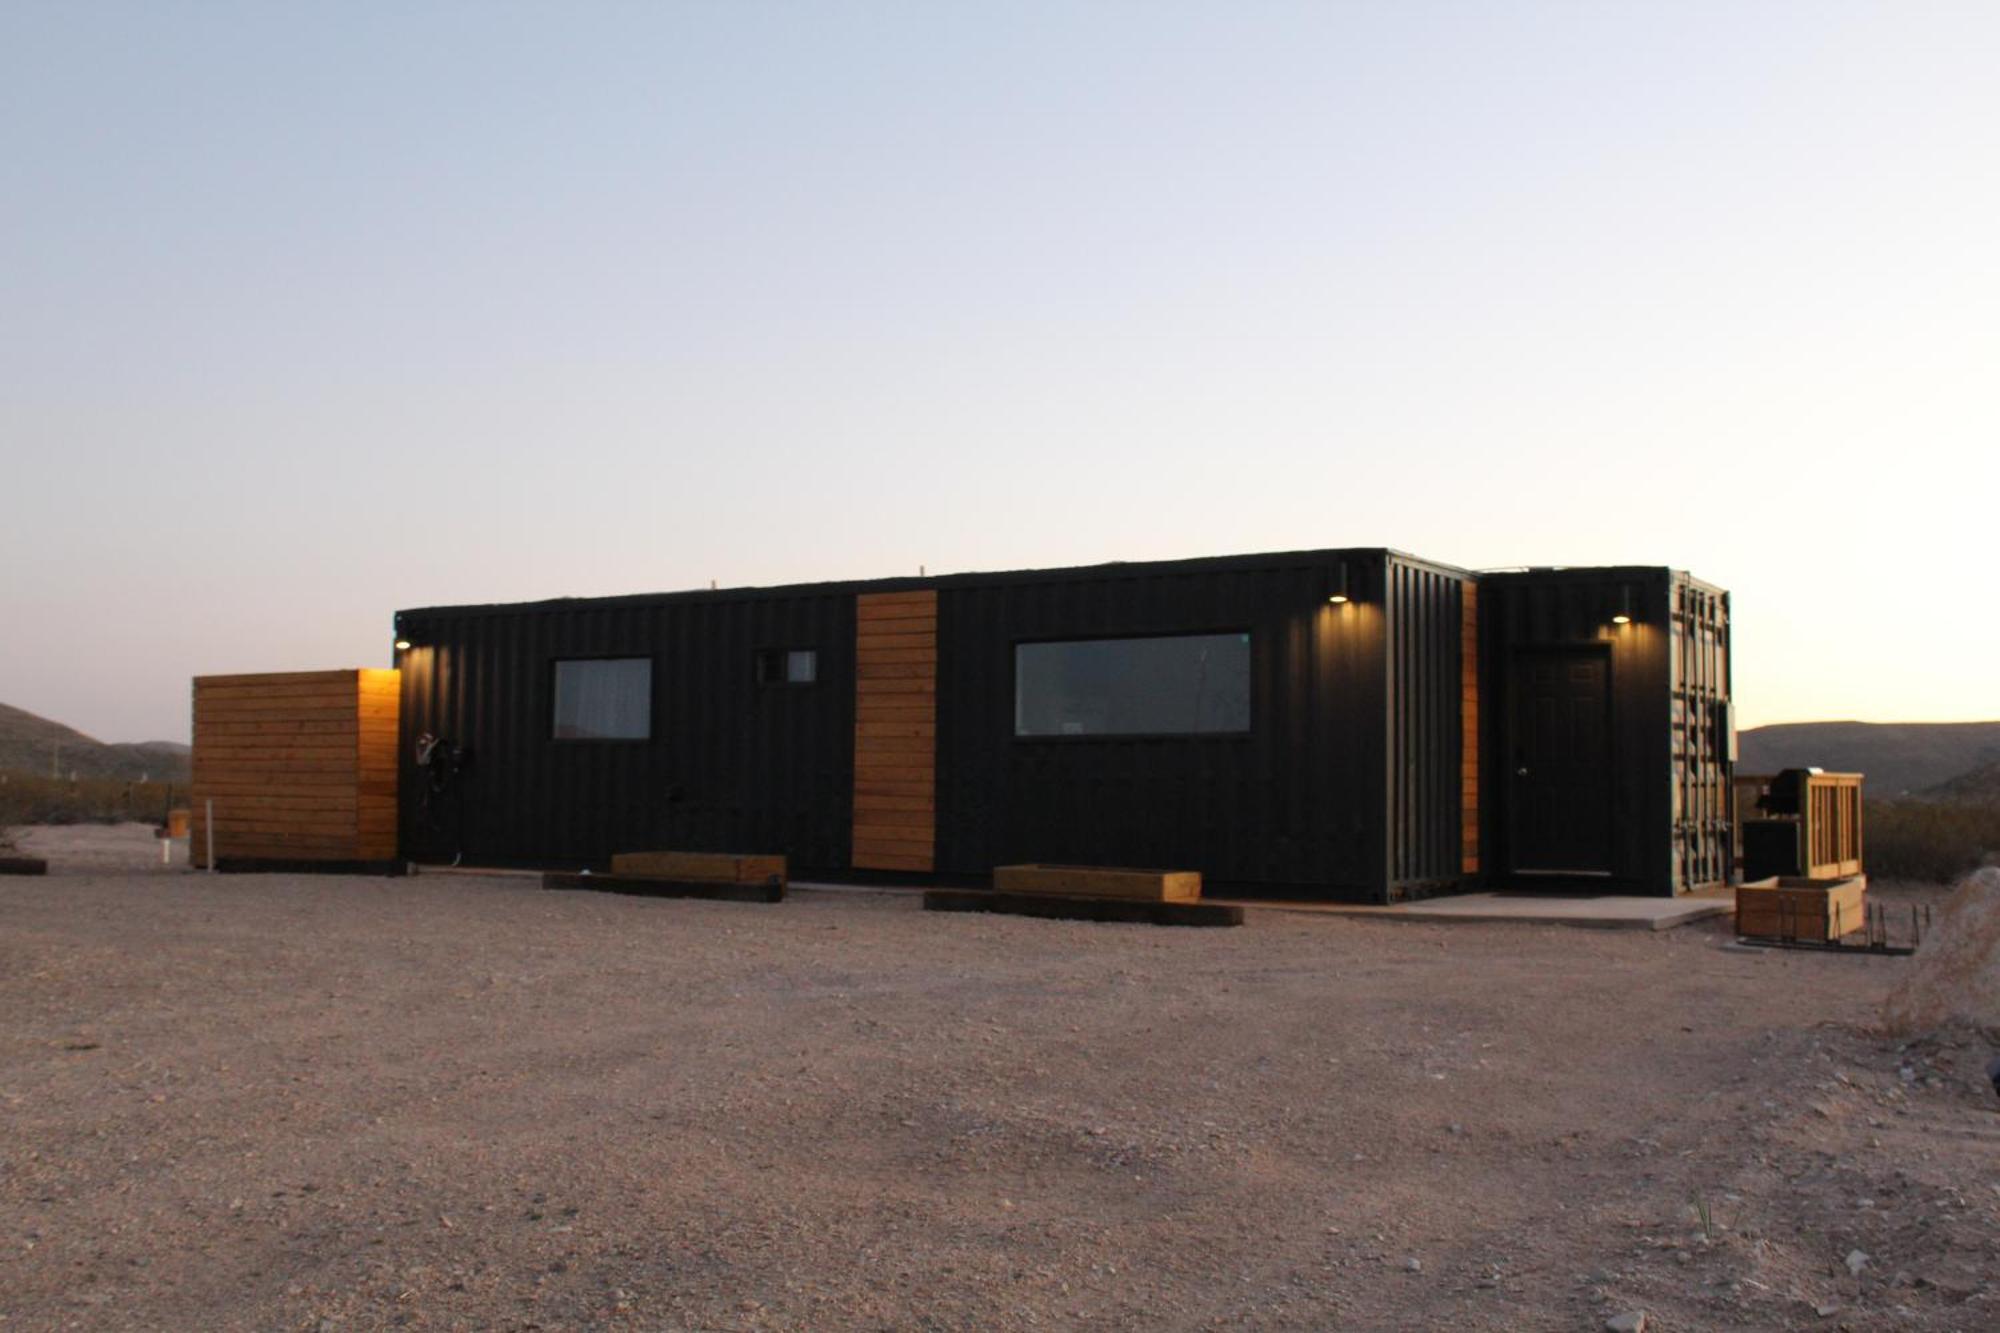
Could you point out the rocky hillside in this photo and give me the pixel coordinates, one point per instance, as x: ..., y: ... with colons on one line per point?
x: 1899, y: 758
x: 31, y: 744
x: 1980, y: 785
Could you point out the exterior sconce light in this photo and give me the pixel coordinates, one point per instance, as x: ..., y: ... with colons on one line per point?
x: 1336, y: 585
x: 1623, y: 615
x: 402, y: 645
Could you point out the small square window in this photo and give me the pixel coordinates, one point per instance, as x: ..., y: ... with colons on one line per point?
x: 787, y: 666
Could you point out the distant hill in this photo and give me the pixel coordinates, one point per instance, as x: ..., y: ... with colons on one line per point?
x: 1899, y: 758
x: 30, y: 744
x: 1980, y: 784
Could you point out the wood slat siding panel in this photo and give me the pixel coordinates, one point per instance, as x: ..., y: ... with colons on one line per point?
x: 380, y: 693
x: 1469, y: 733
x: 300, y: 765
x: 895, y: 730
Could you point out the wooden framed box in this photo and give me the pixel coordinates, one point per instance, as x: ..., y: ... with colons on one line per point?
x: 1785, y: 908
x: 299, y: 768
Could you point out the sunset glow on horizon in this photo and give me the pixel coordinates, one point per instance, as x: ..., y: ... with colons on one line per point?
x: 313, y: 315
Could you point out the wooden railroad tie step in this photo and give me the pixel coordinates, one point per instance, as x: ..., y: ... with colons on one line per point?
x: 771, y: 890
x: 1140, y: 911
x: 1152, y: 886
x: 701, y: 867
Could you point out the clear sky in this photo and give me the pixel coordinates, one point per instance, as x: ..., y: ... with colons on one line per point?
x: 314, y: 312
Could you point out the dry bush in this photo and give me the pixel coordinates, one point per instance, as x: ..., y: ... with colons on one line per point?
x: 26, y: 799
x: 1938, y: 842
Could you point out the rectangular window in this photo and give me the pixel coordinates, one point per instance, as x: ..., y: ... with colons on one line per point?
x: 787, y: 666
x: 1185, y: 685
x: 604, y: 699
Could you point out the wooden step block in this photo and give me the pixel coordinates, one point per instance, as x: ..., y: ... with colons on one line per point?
x: 1150, y: 886
x: 1133, y: 910
x: 1802, y: 909
x: 23, y: 865
x: 771, y: 890
x: 701, y: 867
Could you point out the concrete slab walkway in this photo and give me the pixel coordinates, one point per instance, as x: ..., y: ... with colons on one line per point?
x: 1598, y: 911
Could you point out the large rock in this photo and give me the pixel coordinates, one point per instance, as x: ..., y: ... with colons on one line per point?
x: 1954, y: 980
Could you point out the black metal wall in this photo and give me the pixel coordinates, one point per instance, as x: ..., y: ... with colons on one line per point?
x: 733, y: 765
x: 1298, y: 802
x: 1654, y: 846
x: 1348, y: 784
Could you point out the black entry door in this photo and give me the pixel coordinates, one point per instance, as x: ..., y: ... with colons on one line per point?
x: 1561, y: 777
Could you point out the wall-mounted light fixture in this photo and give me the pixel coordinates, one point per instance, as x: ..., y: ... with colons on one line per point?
x: 402, y: 645
x: 1623, y: 615
x: 1336, y: 585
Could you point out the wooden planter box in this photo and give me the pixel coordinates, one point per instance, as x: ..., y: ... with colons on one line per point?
x: 1802, y: 909
x: 701, y: 867
x: 1150, y: 886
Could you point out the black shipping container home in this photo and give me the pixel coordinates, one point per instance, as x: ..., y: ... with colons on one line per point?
x: 1315, y: 723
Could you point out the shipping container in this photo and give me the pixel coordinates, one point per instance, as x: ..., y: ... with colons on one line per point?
x: 1308, y: 724
x: 1608, y: 740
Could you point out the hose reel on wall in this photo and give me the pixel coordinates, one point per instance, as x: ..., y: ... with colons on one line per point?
x: 443, y: 763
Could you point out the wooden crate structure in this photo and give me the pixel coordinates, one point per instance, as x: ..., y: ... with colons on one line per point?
x: 1830, y: 819
x: 300, y: 768
x: 1802, y: 909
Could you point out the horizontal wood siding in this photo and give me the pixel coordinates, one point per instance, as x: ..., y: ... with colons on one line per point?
x: 379, y: 696
x: 895, y: 730
x: 299, y: 766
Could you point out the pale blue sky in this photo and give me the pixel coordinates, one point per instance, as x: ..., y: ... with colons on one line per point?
x: 313, y: 313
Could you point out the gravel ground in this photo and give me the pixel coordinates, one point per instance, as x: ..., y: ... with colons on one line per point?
x: 329, y: 1103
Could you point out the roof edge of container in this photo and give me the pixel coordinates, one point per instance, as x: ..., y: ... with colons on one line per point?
x: 1584, y: 573
x: 919, y: 583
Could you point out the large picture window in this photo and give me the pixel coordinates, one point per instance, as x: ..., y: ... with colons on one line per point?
x: 604, y: 699
x: 1187, y: 684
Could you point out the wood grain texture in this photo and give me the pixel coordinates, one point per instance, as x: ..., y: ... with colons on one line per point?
x: 1157, y: 886
x: 1802, y: 909
x: 701, y: 867
x: 895, y: 731
x: 299, y: 766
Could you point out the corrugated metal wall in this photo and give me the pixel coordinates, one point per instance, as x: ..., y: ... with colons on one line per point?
x: 733, y: 765
x: 1351, y: 783
x: 1704, y: 814
x: 1426, y: 755
x: 1664, y: 827
x: 1298, y: 802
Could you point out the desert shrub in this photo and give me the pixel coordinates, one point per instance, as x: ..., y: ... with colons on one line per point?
x: 26, y: 799
x: 1935, y: 841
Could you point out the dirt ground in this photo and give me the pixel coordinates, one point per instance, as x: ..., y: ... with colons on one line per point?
x: 286, y: 1102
